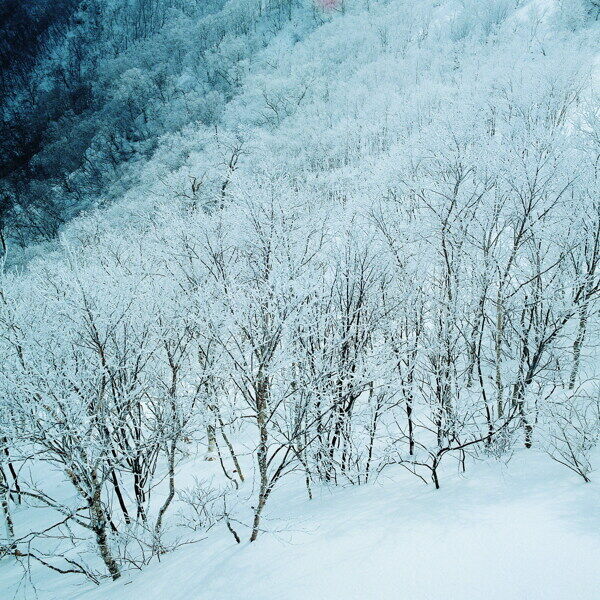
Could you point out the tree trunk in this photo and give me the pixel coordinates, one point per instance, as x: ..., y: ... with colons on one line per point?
x: 578, y: 343
x: 99, y: 527
x: 257, y: 514
x: 212, y: 443
x: 261, y: 419
x: 498, y: 356
x: 170, y: 495
x: 4, y: 500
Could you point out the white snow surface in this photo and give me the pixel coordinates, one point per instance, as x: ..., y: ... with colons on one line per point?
x: 526, y: 530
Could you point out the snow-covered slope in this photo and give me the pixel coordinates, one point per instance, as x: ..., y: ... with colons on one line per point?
x: 526, y: 531
x: 378, y: 264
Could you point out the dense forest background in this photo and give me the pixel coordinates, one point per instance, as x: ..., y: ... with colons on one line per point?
x: 90, y: 86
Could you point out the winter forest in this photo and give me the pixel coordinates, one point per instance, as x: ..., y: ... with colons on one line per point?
x: 299, y: 299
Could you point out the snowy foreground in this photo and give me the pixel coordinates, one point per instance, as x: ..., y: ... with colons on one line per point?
x: 526, y: 531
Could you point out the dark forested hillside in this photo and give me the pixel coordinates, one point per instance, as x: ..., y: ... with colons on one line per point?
x: 28, y: 32
x: 26, y: 29
x: 88, y: 86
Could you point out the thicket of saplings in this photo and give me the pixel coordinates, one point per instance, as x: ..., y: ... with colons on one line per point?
x: 291, y: 336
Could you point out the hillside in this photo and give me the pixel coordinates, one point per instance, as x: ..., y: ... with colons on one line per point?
x: 301, y: 299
